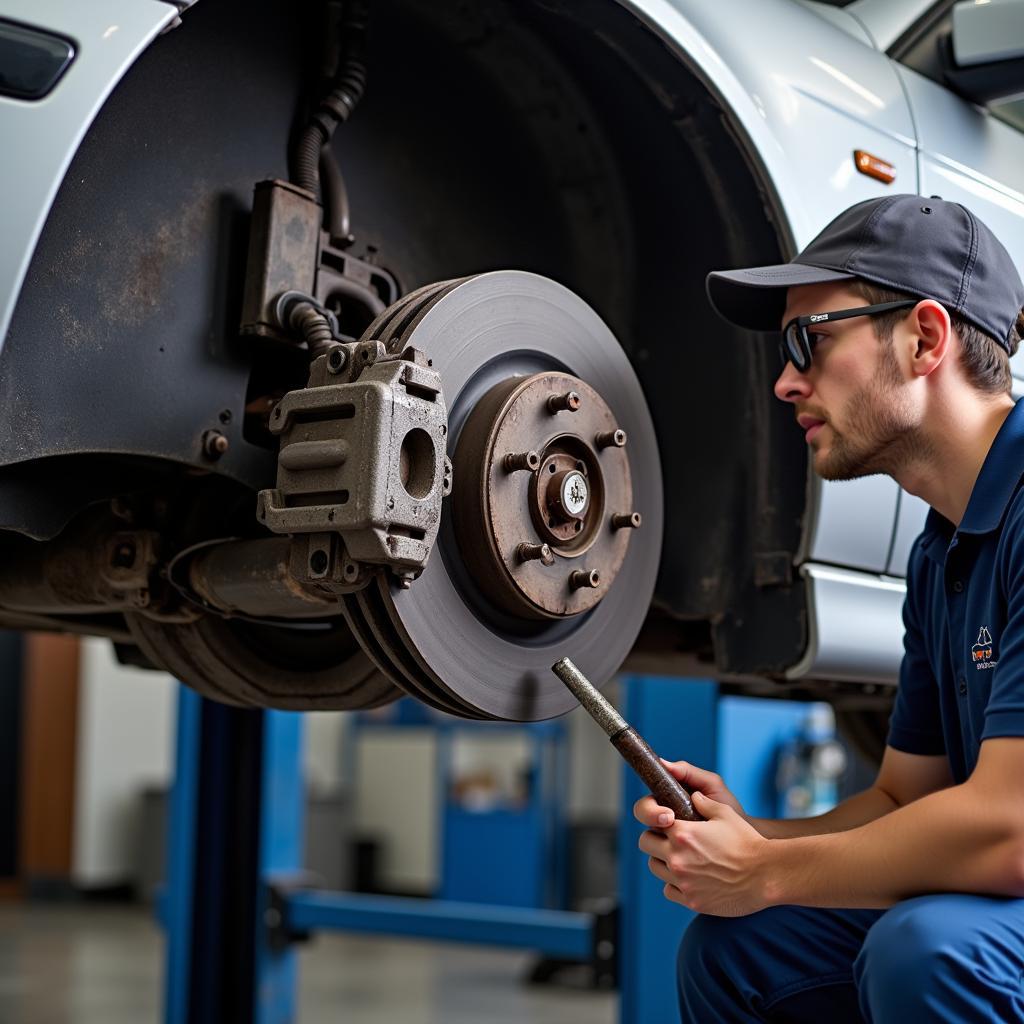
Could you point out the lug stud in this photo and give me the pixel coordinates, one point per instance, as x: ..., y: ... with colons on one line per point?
x: 626, y: 520
x: 532, y: 552
x: 521, y: 460
x: 581, y: 578
x: 611, y: 439
x: 570, y: 401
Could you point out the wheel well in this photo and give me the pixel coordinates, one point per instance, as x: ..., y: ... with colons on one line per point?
x: 656, y: 189
x: 555, y: 137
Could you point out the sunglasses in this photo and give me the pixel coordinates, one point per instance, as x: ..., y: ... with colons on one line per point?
x: 797, y: 346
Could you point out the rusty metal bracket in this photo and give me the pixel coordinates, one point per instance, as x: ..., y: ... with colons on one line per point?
x: 362, y: 467
x: 290, y: 253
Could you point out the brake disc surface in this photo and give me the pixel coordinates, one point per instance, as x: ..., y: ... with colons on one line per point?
x: 476, y: 634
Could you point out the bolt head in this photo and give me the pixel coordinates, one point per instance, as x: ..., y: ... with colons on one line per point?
x: 123, y: 555
x: 215, y: 444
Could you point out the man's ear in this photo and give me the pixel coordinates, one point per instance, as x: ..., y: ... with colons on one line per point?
x: 929, y: 323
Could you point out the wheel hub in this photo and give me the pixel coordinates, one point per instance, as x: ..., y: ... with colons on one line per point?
x: 533, y: 492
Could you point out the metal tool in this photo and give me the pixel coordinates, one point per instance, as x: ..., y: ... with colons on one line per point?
x: 665, y: 787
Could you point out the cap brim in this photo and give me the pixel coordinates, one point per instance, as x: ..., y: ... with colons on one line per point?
x: 756, y: 298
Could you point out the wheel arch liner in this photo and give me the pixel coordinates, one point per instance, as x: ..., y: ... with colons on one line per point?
x: 41, y: 138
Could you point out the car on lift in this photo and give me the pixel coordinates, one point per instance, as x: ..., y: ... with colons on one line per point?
x: 357, y: 349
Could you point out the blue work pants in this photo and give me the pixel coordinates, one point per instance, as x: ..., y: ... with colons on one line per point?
x: 951, y: 958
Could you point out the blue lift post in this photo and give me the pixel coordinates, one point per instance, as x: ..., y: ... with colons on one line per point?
x: 235, y: 824
x: 679, y: 719
x: 741, y: 738
x: 508, y: 855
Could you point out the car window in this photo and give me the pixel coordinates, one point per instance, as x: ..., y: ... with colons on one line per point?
x: 1012, y: 112
x: 919, y: 49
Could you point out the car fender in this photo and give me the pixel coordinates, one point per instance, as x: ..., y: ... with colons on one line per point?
x: 799, y: 119
x: 799, y: 110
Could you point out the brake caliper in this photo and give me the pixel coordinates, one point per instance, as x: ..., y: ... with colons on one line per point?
x: 362, y: 468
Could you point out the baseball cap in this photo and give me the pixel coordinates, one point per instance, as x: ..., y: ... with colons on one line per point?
x: 927, y: 247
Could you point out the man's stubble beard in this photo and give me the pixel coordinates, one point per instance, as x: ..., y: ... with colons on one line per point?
x: 881, y: 435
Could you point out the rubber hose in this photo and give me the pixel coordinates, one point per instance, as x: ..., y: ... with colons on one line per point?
x: 334, y: 108
x: 315, y: 328
x: 335, y: 196
x: 307, y: 158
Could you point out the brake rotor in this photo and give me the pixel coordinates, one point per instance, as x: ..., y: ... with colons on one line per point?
x: 538, y: 557
x: 307, y: 667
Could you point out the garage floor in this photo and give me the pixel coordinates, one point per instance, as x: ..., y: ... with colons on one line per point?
x: 103, y: 965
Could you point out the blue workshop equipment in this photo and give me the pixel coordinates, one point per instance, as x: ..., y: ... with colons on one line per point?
x: 236, y: 903
x: 235, y: 826
x: 739, y: 737
x: 512, y: 850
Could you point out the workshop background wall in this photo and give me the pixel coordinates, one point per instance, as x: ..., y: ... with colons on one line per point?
x: 396, y: 804
x: 10, y: 751
x: 376, y: 784
x: 395, y: 786
x: 125, y: 745
x: 595, y: 769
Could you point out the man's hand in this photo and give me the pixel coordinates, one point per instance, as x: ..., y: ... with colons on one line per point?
x: 717, y: 866
x: 650, y: 813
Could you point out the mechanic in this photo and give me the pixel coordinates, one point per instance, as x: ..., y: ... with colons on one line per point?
x: 905, y: 902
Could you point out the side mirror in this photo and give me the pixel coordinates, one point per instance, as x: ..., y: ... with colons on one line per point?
x: 983, y: 56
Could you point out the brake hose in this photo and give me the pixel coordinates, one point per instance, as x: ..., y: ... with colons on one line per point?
x: 336, y: 106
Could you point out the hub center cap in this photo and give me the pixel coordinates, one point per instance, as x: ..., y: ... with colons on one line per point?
x: 574, y: 494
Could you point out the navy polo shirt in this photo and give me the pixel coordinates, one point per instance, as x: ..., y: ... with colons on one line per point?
x: 962, y: 676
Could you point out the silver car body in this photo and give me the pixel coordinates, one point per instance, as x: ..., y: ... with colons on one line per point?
x: 803, y: 85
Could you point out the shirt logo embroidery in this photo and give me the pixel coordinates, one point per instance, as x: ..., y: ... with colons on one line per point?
x: 983, y: 650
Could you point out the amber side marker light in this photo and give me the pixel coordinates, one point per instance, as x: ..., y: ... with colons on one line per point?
x: 874, y: 167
